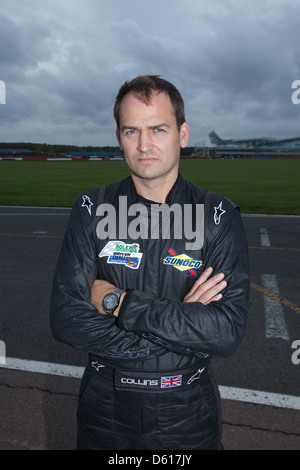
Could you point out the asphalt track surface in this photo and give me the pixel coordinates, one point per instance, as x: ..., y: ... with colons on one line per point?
x: 259, y: 385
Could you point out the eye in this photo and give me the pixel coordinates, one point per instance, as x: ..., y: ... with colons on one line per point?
x: 159, y: 130
x: 131, y: 132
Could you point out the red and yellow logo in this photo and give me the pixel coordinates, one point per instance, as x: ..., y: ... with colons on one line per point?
x: 182, y: 262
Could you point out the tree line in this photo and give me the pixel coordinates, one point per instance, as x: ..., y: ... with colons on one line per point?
x: 63, y: 149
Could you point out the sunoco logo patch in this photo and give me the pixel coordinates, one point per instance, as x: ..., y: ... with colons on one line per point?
x: 182, y: 262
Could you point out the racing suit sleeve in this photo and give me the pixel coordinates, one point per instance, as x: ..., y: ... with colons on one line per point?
x: 73, y: 319
x: 214, y: 329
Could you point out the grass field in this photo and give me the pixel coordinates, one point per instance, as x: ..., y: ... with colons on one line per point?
x: 258, y: 186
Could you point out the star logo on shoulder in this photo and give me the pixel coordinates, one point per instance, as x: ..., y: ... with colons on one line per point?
x: 87, y: 203
x: 219, y: 211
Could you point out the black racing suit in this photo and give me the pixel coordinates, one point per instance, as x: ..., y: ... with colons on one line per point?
x: 148, y: 384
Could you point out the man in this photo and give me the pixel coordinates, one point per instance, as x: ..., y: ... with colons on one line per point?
x: 150, y: 299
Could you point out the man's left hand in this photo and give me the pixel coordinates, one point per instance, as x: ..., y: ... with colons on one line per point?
x: 99, y: 290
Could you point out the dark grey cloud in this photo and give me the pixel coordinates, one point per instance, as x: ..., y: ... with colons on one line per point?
x: 63, y: 62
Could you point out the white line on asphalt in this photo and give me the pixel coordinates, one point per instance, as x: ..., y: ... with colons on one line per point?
x: 36, y: 207
x: 264, y: 237
x: 274, y: 313
x: 284, y: 216
x: 44, y: 367
x: 260, y: 398
x: 228, y: 393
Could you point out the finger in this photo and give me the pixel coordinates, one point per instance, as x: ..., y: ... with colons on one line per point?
x: 200, y: 288
x: 209, y: 300
x: 203, y: 278
x: 212, y: 294
x: 207, y: 292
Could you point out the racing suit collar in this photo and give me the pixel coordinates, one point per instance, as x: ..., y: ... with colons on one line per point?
x: 173, y: 195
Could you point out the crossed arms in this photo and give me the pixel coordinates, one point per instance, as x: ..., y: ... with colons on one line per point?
x: 208, y: 319
x: 206, y: 289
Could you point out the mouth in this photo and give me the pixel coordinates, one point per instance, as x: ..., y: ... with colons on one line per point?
x: 147, y: 159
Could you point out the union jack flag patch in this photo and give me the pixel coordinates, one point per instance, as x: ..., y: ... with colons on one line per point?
x: 168, y: 382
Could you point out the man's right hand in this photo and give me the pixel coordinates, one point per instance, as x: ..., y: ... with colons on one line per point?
x: 206, y: 289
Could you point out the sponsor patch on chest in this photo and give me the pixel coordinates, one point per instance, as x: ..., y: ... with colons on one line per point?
x: 118, y: 252
x: 182, y: 262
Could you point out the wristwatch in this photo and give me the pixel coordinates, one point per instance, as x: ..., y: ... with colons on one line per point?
x: 111, y: 302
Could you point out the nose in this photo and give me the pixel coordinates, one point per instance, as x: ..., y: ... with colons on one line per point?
x: 145, y: 142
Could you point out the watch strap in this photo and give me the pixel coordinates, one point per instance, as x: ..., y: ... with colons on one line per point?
x: 117, y: 293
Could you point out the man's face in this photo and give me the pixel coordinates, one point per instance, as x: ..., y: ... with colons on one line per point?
x: 149, y: 137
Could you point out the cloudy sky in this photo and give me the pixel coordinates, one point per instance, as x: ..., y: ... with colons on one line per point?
x: 63, y: 62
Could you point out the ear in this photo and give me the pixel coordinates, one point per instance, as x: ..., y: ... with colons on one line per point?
x: 184, y: 134
x: 119, y: 139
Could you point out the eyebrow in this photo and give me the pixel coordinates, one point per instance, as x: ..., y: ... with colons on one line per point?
x: 156, y: 126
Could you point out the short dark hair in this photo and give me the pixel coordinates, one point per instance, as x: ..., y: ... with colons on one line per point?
x: 143, y: 88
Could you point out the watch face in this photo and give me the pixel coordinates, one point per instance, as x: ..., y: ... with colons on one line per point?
x: 110, y: 301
